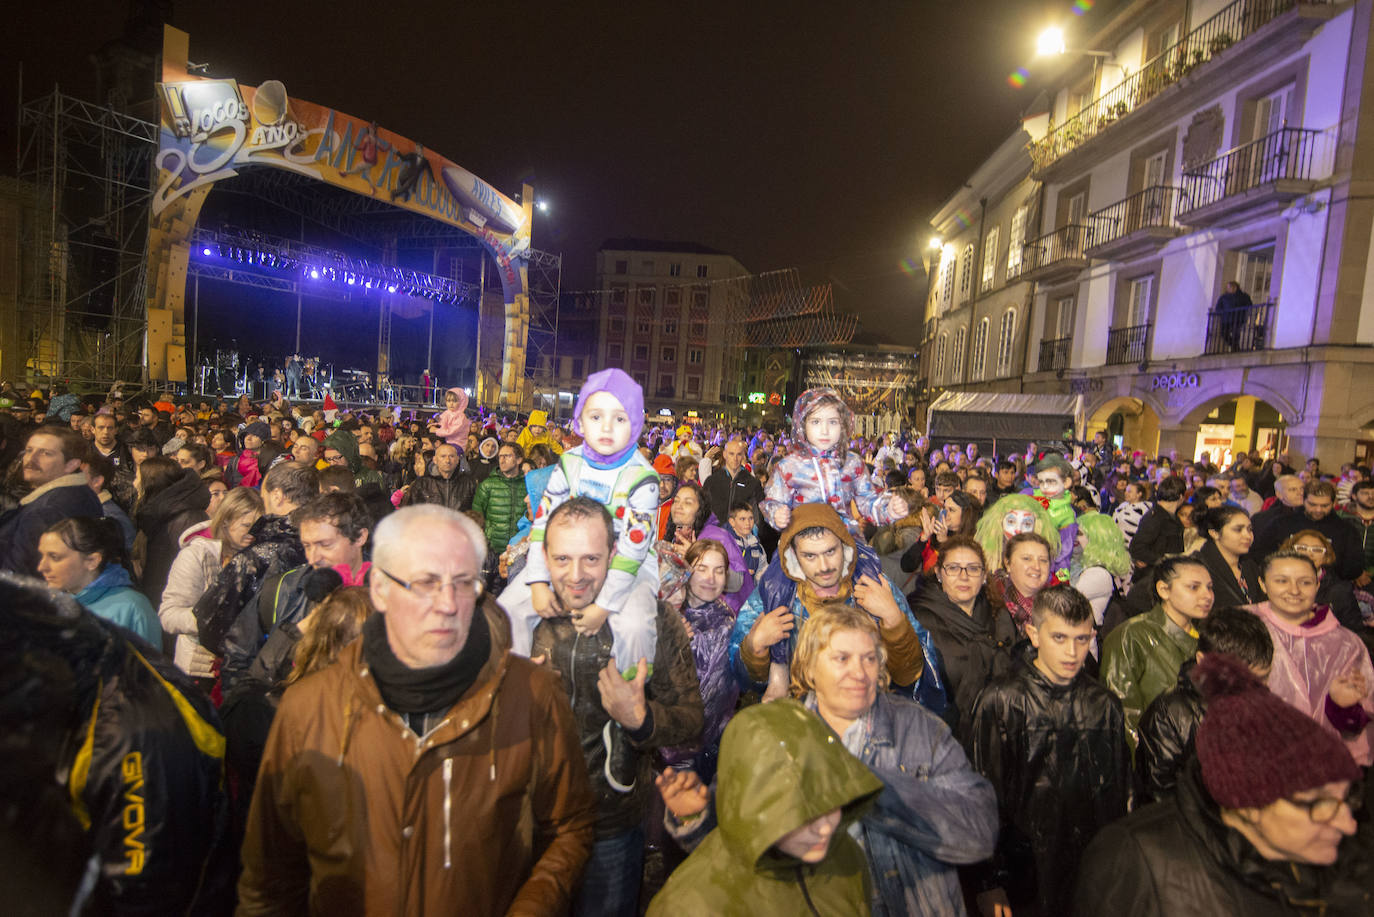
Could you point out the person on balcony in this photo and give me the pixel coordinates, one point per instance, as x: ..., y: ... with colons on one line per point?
x: 1230, y: 310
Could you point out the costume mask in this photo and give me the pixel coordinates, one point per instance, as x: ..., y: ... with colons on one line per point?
x: 1018, y: 522
x: 1051, y: 484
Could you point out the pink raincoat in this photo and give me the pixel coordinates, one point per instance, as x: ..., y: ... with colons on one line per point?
x: 1307, y: 660
x: 453, y: 425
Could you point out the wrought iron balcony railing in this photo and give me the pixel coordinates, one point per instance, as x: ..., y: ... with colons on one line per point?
x: 1289, y: 153
x: 1243, y: 330
x: 1128, y: 345
x: 1152, y: 208
x: 1054, y: 354
x: 1232, y: 24
x: 1065, y: 243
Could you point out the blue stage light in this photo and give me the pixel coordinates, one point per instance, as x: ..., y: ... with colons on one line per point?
x: 206, y: 251
x: 314, y: 274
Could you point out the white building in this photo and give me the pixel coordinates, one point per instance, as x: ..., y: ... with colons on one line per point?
x: 664, y: 313
x: 1206, y: 141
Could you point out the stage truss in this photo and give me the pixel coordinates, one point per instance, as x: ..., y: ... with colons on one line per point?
x: 81, y: 302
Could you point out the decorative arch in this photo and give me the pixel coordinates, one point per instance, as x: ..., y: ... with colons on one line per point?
x: 211, y: 129
x: 1198, y: 410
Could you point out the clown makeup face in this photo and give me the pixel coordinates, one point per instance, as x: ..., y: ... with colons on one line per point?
x: 1018, y: 522
x: 1051, y: 483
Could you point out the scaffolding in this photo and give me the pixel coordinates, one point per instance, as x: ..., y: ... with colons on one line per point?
x: 80, y: 301
x: 541, y: 353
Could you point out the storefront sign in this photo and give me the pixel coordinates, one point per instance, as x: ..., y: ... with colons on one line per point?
x: 1171, y: 381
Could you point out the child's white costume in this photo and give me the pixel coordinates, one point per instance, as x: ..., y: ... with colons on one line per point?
x: 627, y: 486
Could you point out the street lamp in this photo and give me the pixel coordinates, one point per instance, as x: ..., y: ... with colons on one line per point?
x: 1050, y: 43
x: 935, y: 243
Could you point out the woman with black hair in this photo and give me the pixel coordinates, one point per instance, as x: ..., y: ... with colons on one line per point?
x: 84, y: 556
x: 1227, y: 537
x: 171, y: 499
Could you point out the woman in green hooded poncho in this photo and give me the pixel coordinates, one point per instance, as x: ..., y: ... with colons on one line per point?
x: 786, y: 794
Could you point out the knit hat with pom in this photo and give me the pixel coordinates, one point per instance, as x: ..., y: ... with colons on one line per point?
x: 1253, y: 747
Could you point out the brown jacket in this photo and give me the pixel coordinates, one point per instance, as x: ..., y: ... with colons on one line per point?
x: 491, y: 813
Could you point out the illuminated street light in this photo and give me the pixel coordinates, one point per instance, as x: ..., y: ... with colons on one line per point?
x: 935, y: 243
x: 543, y: 206
x: 1050, y: 42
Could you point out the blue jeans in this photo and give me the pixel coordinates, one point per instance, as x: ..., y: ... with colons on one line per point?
x: 610, y: 884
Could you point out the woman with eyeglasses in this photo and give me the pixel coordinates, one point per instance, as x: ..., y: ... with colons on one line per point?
x: 1332, y: 590
x: 1261, y: 822
x: 1320, y: 667
x: 974, y: 636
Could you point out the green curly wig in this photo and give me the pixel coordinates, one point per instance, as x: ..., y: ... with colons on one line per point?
x: 989, y: 532
x: 1106, y: 545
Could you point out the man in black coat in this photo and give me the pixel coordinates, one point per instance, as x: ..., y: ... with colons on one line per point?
x: 1159, y: 532
x: 1319, y: 501
x: 732, y: 483
x: 51, y: 466
x: 1052, y: 741
x: 1167, y: 727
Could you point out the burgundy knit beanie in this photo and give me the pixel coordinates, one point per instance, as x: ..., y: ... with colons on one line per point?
x: 1253, y: 747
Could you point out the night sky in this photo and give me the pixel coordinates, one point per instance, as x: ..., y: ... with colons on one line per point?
x: 800, y: 134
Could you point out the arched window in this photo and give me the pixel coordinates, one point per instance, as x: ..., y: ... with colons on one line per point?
x: 940, y: 347
x: 956, y: 359
x: 966, y: 272
x: 980, y: 351
x: 1006, y: 341
x: 947, y: 278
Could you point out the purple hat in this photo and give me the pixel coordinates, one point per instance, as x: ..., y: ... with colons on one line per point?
x: 627, y: 392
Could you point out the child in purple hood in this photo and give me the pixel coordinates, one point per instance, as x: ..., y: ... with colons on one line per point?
x: 609, y: 469
x: 819, y: 468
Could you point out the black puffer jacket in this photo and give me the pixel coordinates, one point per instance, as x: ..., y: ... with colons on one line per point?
x: 162, y: 518
x: 1057, y: 757
x: 276, y: 548
x: 1166, y: 732
x: 135, y: 750
x: 1177, y: 858
x: 974, y: 649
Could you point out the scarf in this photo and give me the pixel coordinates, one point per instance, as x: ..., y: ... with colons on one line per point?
x: 428, y: 690
x: 1018, y: 605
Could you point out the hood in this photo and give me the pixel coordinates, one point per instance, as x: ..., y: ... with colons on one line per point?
x: 626, y: 390
x: 187, y: 493
x: 347, y: 446
x: 199, y: 530
x: 811, y: 515
x: 1326, y: 622
x: 462, y: 397
x: 807, y: 402
x: 781, y: 767
x: 488, y: 454
x: 112, y: 577
x: 538, y: 419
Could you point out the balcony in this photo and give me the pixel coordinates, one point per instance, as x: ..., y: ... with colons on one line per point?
x: 1234, y: 23
x: 1128, y: 345
x: 1056, y: 255
x: 929, y: 333
x: 1140, y: 223
x: 1239, y: 330
x: 1272, y: 170
x: 1054, y: 355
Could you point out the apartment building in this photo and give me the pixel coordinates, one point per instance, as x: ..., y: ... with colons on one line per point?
x: 664, y: 315
x: 1198, y: 144
x: 978, y: 301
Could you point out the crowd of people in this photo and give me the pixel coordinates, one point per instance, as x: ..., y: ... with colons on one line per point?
x: 278, y: 658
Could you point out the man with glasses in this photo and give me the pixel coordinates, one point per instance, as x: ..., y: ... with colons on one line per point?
x: 427, y: 770
x: 1261, y: 822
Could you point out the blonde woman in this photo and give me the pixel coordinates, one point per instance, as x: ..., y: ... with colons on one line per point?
x: 205, y: 549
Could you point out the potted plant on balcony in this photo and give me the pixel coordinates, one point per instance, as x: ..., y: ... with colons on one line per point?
x: 1219, y: 43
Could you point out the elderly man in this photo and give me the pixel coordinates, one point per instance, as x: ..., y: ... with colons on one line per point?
x: 732, y: 483
x: 621, y: 722
x: 1241, y: 495
x: 427, y: 770
x: 818, y: 560
x: 1288, y: 491
x: 1319, y: 501
x: 51, y: 465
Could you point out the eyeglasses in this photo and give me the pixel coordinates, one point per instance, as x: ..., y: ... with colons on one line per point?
x: 430, y: 588
x: 1324, y: 808
x: 963, y: 569
x: 1309, y: 548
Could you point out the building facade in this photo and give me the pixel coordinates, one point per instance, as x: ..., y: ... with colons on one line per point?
x: 665, y: 311
x: 1205, y: 143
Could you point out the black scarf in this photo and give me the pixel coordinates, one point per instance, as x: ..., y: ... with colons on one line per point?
x: 429, y: 690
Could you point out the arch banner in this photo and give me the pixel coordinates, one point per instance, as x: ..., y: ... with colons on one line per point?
x: 211, y: 129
